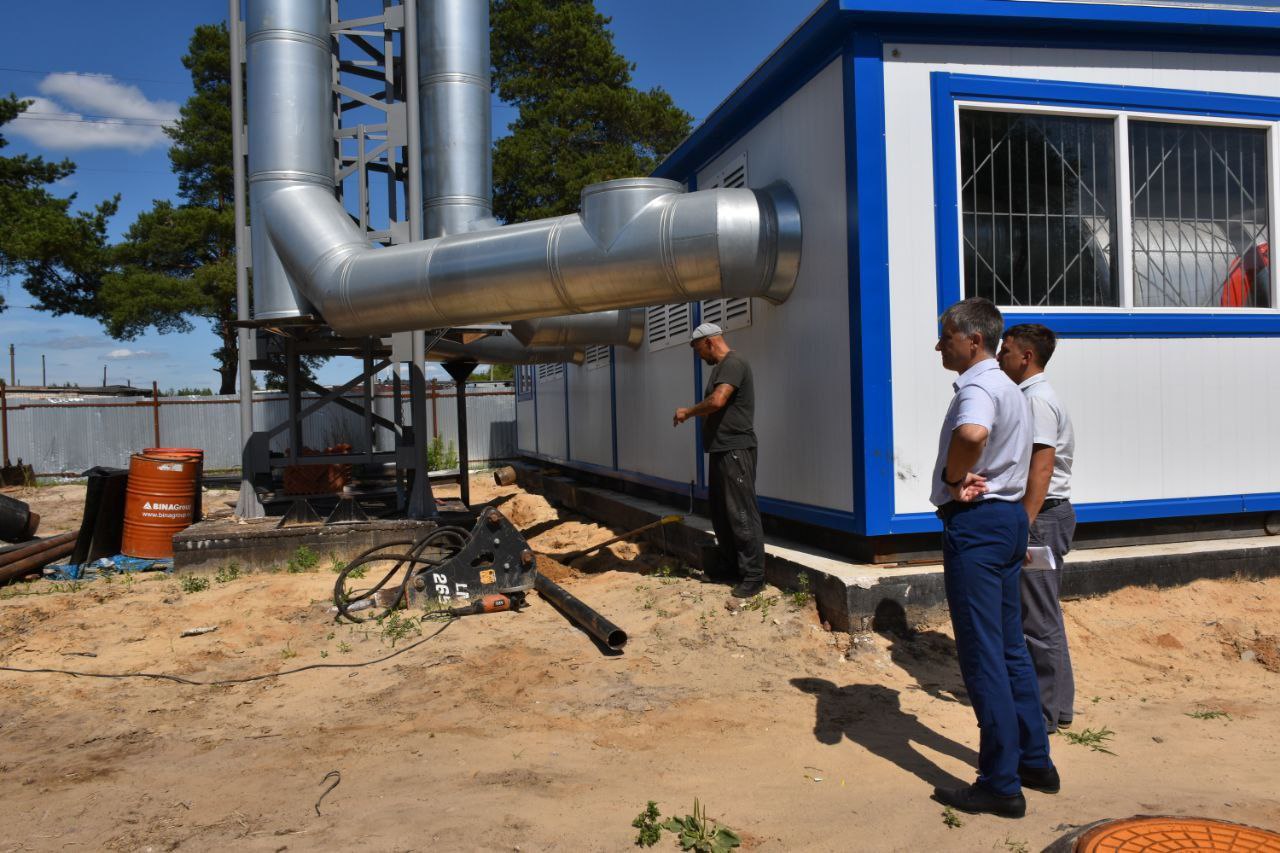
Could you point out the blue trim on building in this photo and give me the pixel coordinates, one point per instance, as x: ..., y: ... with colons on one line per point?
x: 927, y: 522
x: 947, y: 88
x: 868, y: 248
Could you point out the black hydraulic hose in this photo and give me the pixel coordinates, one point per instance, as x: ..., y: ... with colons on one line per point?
x: 448, y: 537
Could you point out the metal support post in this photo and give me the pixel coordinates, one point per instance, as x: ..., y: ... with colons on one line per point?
x: 155, y: 413
x: 292, y: 362
x: 248, y: 505
x: 4, y: 421
x: 460, y: 370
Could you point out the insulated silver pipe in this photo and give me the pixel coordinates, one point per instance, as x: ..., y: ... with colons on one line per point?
x: 600, y: 328
x: 504, y: 349
x: 636, y: 242
x: 453, y: 93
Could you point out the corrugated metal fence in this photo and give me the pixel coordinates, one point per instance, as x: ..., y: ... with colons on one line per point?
x: 70, y: 434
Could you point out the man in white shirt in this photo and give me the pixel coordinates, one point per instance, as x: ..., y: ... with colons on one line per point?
x: 1026, y: 350
x: 979, y: 480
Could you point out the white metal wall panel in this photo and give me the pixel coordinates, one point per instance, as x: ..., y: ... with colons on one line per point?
x: 799, y: 351
x: 525, y: 430
x: 1163, y: 418
x: 651, y: 386
x: 590, y: 414
x: 551, y: 434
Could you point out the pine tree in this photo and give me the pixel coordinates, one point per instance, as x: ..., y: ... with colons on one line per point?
x: 581, y: 121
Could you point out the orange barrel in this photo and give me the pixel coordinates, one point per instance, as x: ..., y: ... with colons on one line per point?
x: 159, y: 502
x: 197, y: 455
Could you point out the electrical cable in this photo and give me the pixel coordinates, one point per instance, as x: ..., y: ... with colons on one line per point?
x: 162, y: 676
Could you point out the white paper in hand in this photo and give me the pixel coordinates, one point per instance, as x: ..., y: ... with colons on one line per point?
x: 1039, y: 559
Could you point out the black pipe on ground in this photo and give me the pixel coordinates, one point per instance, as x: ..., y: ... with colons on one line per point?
x: 580, y: 614
x: 17, y: 522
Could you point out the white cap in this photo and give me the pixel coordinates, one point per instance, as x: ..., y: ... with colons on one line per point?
x: 706, y: 330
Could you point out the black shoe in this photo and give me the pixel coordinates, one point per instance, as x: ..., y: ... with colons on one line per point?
x: 976, y: 799
x: 747, y: 589
x: 1042, y: 779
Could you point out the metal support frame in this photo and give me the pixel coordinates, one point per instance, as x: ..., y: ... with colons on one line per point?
x: 374, y: 69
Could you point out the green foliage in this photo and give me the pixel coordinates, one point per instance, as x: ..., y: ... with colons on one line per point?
x: 502, y: 372
x: 57, y: 253
x: 228, y: 573
x: 1015, y: 846
x: 581, y: 121
x: 763, y: 603
x: 303, y: 560
x: 698, y: 832
x: 396, y: 627
x: 801, y: 595
x: 647, y: 822
x: 951, y: 819
x: 288, y: 651
x: 343, y: 647
x: 194, y: 583
x: 440, y: 457
x: 187, y: 392
x: 1094, y: 739
x: 1206, y: 714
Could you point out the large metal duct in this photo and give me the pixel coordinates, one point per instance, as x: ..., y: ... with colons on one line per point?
x: 621, y: 328
x: 636, y: 242
x: 504, y: 349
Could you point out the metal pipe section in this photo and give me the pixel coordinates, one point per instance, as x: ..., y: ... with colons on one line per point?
x: 27, y: 549
x: 17, y: 568
x: 453, y: 98
x: 600, y: 328
x: 504, y: 349
x: 637, y: 242
x: 580, y: 614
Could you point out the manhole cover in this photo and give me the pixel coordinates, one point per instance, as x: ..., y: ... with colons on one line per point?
x: 1167, y: 834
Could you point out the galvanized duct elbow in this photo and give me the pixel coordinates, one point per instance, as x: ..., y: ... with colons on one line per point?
x: 504, y: 349
x: 636, y: 242
x: 600, y: 328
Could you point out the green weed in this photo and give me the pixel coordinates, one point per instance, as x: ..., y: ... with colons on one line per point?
x: 951, y: 819
x: 303, y: 560
x: 288, y: 652
x: 1206, y: 714
x: 344, y: 648
x: 194, y: 583
x: 1014, y: 846
x: 228, y: 573
x: 1092, y: 738
x: 801, y: 595
x: 647, y: 822
x: 699, y: 833
x: 396, y: 628
x: 761, y: 602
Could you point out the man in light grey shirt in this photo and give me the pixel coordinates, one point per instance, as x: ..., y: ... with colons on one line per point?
x: 984, y: 450
x: 1026, y: 350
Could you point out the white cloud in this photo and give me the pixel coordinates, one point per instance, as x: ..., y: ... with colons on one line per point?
x: 82, y: 111
x: 125, y: 353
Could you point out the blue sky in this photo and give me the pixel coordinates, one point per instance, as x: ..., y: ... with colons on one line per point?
x: 698, y: 51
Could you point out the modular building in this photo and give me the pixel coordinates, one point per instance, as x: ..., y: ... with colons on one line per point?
x: 1108, y: 169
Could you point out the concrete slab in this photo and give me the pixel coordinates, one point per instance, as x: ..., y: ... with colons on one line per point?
x: 854, y: 596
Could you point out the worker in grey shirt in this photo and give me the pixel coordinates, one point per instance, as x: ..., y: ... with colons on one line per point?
x: 1026, y: 350
x: 729, y: 438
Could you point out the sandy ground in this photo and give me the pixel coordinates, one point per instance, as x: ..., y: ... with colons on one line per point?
x: 514, y: 732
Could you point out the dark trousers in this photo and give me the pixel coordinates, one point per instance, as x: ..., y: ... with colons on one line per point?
x: 983, y: 545
x: 1042, y: 617
x: 734, y: 513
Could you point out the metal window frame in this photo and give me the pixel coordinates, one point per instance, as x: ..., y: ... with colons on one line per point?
x: 1124, y: 198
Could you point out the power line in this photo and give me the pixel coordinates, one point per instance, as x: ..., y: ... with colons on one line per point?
x: 92, y: 74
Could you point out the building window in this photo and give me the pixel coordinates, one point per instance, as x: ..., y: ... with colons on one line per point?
x: 598, y: 356
x: 1199, y: 200
x: 550, y: 372
x: 667, y: 325
x: 1038, y: 208
x: 1043, y: 223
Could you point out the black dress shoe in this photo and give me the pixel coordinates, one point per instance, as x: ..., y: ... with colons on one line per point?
x: 976, y: 799
x: 1043, y: 779
x: 747, y: 589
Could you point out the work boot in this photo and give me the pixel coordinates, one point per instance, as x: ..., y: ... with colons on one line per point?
x: 976, y: 799
x: 747, y: 588
x: 1042, y: 779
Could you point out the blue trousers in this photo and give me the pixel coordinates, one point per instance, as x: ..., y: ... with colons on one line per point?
x: 983, y: 545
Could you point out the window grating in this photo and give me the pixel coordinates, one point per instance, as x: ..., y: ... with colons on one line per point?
x: 667, y: 325
x: 729, y: 313
x: 550, y: 372
x: 598, y: 356
x: 1038, y: 208
x: 1200, y: 222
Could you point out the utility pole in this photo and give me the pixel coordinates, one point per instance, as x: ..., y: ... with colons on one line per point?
x: 44, y: 375
x: 12, y: 381
x: 104, y: 376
